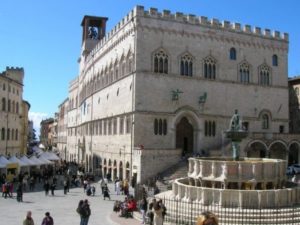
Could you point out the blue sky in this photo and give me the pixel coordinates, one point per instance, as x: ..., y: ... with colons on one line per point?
x: 44, y: 37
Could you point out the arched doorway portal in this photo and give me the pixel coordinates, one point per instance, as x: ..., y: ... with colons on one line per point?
x: 294, y: 153
x: 257, y: 150
x: 278, y: 151
x: 185, y: 136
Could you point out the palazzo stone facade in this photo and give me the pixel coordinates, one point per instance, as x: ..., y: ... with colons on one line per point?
x: 13, y: 112
x: 162, y: 85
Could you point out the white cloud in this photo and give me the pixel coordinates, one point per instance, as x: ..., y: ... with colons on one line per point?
x: 37, y: 117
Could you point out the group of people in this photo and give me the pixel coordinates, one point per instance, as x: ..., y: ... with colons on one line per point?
x: 7, y: 189
x: 88, y: 188
x: 121, y: 186
x: 47, y: 220
x: 126, y: 208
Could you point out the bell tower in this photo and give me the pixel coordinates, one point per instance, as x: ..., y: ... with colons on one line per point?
x: 93, y: 30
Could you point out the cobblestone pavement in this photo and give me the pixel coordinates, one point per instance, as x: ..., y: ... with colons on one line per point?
x: 62, y: 208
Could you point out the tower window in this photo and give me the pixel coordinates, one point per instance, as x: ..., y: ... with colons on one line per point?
x: 264, y: 75
x: 275, y: 60
x: 161, y: 62
x: 186, y: 65
x: 244, y: 70
x: 210, y: 68
x: 232, y: 54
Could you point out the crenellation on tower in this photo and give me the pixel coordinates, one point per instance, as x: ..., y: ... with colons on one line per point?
x: 226, y: 24
x: 276, y: 34
x: 15, y: 73
x: 247, y: 28
x: 237, y: 26
x: 267, y: 33
x: 215, y: 22
x: 203, y: 20
x: 191, y: 18
x: 257, y: 30
x: 179, y: 16
x: 166, y: 13
x: 153, y: 12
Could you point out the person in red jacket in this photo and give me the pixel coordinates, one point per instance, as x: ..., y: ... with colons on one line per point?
x: 131, y: 205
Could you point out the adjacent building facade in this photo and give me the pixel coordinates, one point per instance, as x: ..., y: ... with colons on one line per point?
x: 162, y: 85
x: 13, y: 112
x: 62, y: 123
x: 47, y: 133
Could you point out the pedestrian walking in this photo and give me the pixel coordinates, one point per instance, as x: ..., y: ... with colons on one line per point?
x: 84, y: 211
x: 117, y: 186
x: 93, y: 190
x: 52, y: 187
x: 48, y: 220
x: 65, y: 186
x: 158, y: 217
x: 20, y: 192
x: 46, y: 187
x: 151, y: 211
x: 106, y: 192
x: 143, y: 208
x: 102, y: 185
x: 28, y: 219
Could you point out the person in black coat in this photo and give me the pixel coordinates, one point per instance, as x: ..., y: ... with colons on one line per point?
x: 106, y: 192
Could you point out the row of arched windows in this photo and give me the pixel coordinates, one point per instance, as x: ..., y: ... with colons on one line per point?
x: 113, y: 126
x: 10, y: 106
x: 9, y: 134
x: 13, y: 89
x: 160, y: 127
x: 106, y: 76
x: 210, y: 67
x: 210, y: 128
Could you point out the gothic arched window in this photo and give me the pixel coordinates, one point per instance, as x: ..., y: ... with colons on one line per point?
x: 244, y: 72
x: 186, y: 65
x: 264, y: 75
x: 161, y: 62
x: 209, y: 68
